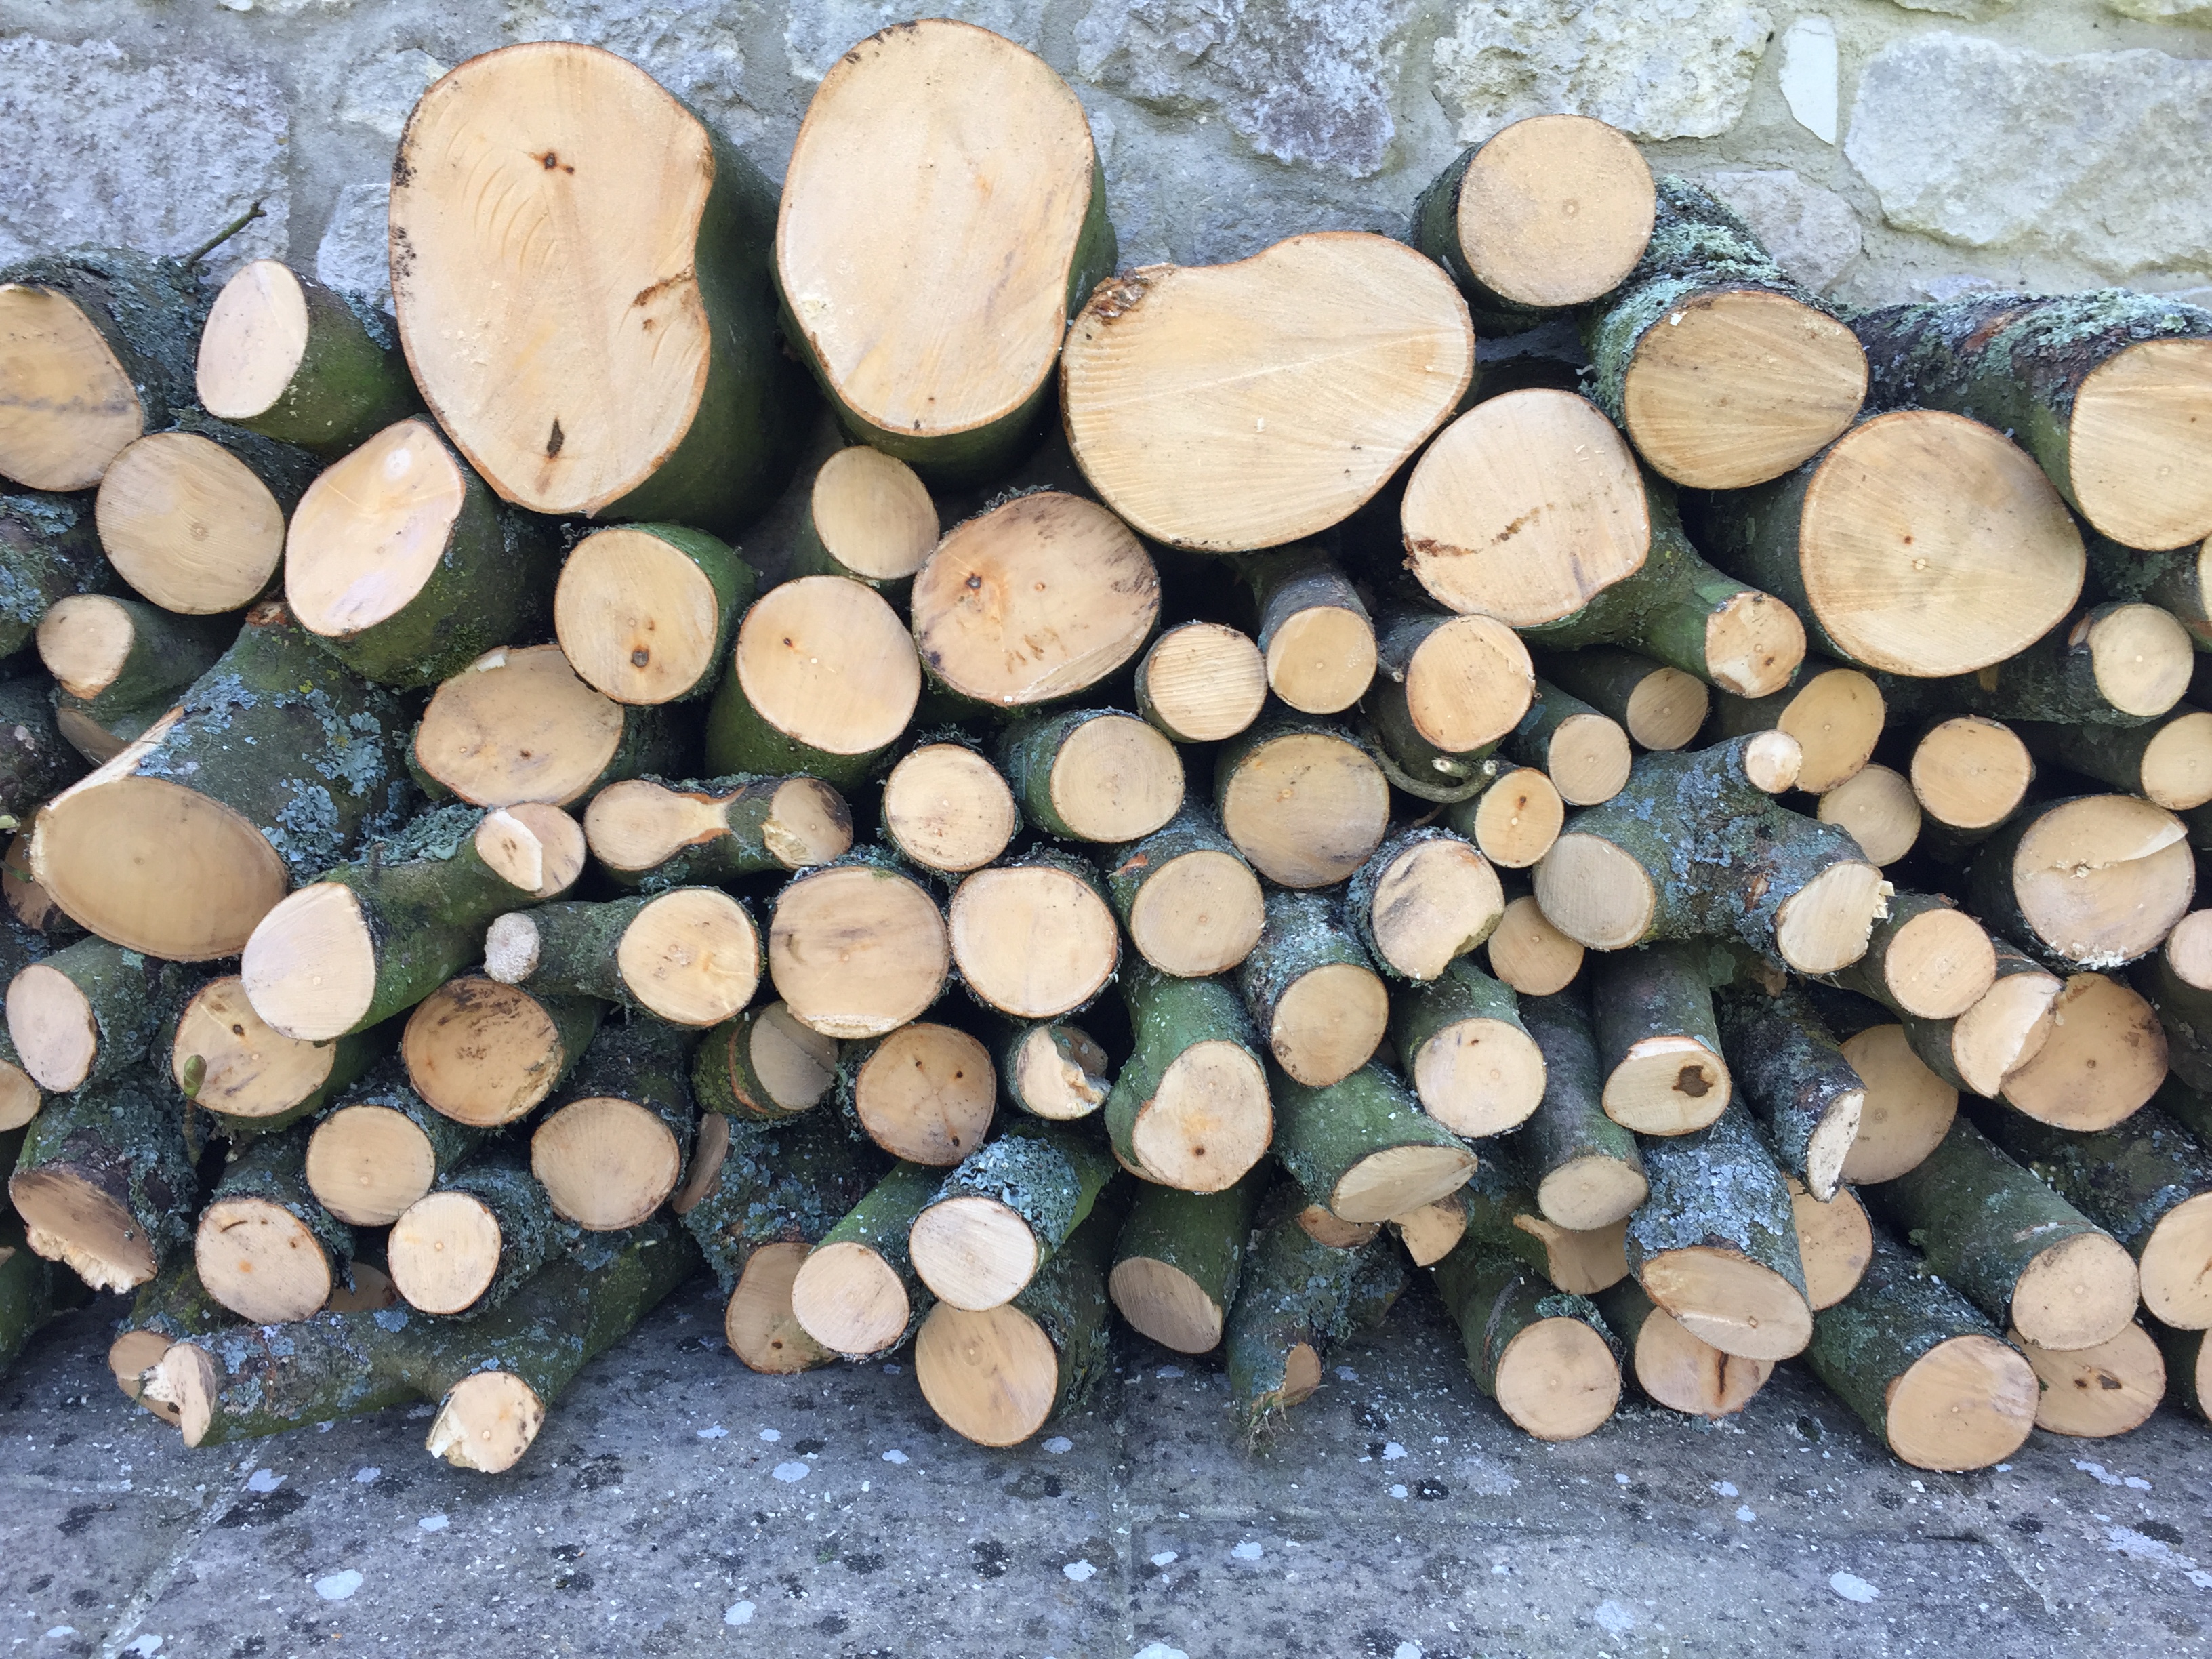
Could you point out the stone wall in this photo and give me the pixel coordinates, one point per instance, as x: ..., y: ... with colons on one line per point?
x: 1886, y: 149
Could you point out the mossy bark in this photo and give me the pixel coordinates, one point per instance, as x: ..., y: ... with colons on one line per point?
x: 1499, y: 1204
x: 2189, y: 1107
x: 741, y: 741
x: 1419, y: 1013
x: 529, y: 1234
x: 175, y: 1305
x: 352, y: 381
x: 1420, y: 767
x: 2053, y: 679
x: 723, y: 1078
x: 33, y: 1291
x: 36, y: 760
x: 780, y: 1186
x: 272, y: 1168
x: 49, y: 550
x: 880, y: 1223
x: 1298, y: 1293
x: 1202, y: 1236
x: 1047, y: 1175
x: 2125, y: 1178
x: 1303, y: 933
x: 1361, y: 893
x: 577, y: 944
x: 1029, y: 750
x: 1322, y: 1136
x: 1568, y: 1125
x: 1492, y: 1297
x: 1717, y: 1188
x: 1793, y: 1076
x: 1659, y: 991
x: 1068, y: 1302
x: 122, y: 1142
x: 1168, y: 1017
x: 167, y: 653
x: 646, y: 1063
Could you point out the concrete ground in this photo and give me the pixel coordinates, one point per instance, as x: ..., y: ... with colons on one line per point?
x: 678, y: 1504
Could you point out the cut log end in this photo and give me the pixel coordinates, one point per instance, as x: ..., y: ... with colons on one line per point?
x: 606, y: 1163
x: 71, y: 407
x: 2175, y: 1286
x: 1519, y: 816
x: 1772, y: 759
x: 1835, y: 1242
x: 757, y: 1321
x: 370, y: 533
x: 50, y: 1023
x: 1668, y: 1085
x: 1165, y: 1304
x: 637, y: 619
x: 528, y: 835
x: 310, y: 967
x: 1907, y: 1111
x: 1469, y: 684
x: 1059, y: 1073
x: 443, y: 1252
x: 796, y: 1065
x: 1198, y: 914
x: 481, y: 1052
x: 254, y: 341
x: 948, y: 809
x: 692, y: 956
x: 2176, y: 770
x: 1738, y: 1305
x: 20, y: 1098
x: 1433, y: 1232
x: 1831, y: 1142
x: 73, y: 1220
x: 1558, y: 1379
x: 1588, y: 759
x: 710, y: 1149
x: 365, y: 1165
x: 1737, y: 387
x: 2101, y: 1053
x: 1555, y: 210
x: 2096, y: 1392
x: 486, y: 1423
x: 517, y: 725
x: 511, y: 948
x: 990, y: 1377
x: 1306, y: 808
x: 873, y: 514
x: 1205, y: 681
x: 827, y: 662
x: 2136, y: 451
x: 2141, y: 656
x: 1530, y: 954
x: 1666, y: 708
x: 2076, y: 1294
x: 1438, y: 900
x: 1825, y: 924
x: 1208, y: 1123
x: 1115, y: 779
x: 1878, y: 807
x: 2188, y: 950
x: 856, y: 952
x: 1939, y: 964
x: 1837, y: 717
x: 1585, y: 1194
x: 1579, y: 1263
x: 84, y: 640
x: 926, y: 1094
x: 1480, y: 1076
x: 182, y: 1387
x: 260, y: 1261
x: 1685, y: 1375
x: 1389, y: 1184
x: 1753, y: 644
x: 1331, y: 1230
x: 850, y: 1300
x: 129, y: 1357
x: 1971, y: 772
x: 1964, y: 1404
x: 973, y: 1252
x: 1329, y: 1023
x: 189, y: 525
x: 2102, y: 879
x: 1594, y: 893
x: 1034, y: 940
x: 1322, y: 659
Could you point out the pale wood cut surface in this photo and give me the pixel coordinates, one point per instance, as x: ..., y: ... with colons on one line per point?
x: 1554, y: 210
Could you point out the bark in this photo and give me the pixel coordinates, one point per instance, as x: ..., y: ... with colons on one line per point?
x: 2188, y: 1106
x: 128, y: 997
x: 1569, y: 1129
x: 2054, y: 679
x: 1202, y: 1237
x: 785, y: 1185
x: 1324, y: 1136
x: 1068, y: 1302
x: 352, y: 379
x: 880, y: 1224
x: 1795, y: 1080
x: 1716, y: 1189
x: 49, y: 551
x: 1422, y: 1013
x: 1660, y: 992
x: 1304, y: 931
x: 1169, y: 1017
x: 1529, y: 743
x: 2187, y: 1014
x: 1296, y: 1293
x: 2188, y: 1368
x: 577, y: 946
x: 1047, y: 1177
x: 36, y: 760
x: 167, y: 653
x: 117, y: 1157
x: 2110, y: 754
x: 33, y: 1291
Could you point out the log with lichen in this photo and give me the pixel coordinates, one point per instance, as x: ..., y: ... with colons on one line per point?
x: 652, y: 833
x: 1002, y: 1213
x: 105, y: 1183
x: 169, y: 1307
x: 1363, y: 1148
x: 1190, y: 1107
x: 49, y: 551
x: 1179, y: 1259
x: 1312, y: 990
x: 1794, y: 1076
x: 858, y: 1294
x: 91, y: 1012
x: 265, y: 1247
x: 1586, y: 1167
x: 1545, y: 1356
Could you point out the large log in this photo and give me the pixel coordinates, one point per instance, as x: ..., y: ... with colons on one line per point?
x: 2093, y: 882
x: 1035, y: 938
x: 867, y: 516
x: 285, y: 356
x: 2112, y: 665
x: 2094, y: 1393
x: 91, y: 1013
x: 1927, y: 959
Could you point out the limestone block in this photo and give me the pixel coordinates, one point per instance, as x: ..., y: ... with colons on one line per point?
x: 1811, y: 232
x: 1655, y: 68
x: 2099, y: 157
x: 820, y: 32
x: 380, y: 93
x: 355, y: 253
x: 693, y: 50
x: 2164, y: 11
x: 157, y: 153
x: 1808, y: 75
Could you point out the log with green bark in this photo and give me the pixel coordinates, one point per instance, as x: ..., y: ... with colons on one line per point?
x: 1311, y: 989
x: 273, y: 766
x: 118, y: 664
x: 1500, y: 1209
x: 1034, y: 937
x: 476, y: 1238
x: 644, y: 612
x: 2167, y: 761
x: 945, y: 805
x: 1312, y: 628
x: 265, y: 1248
x: 1179, y: 1259
x: 1363, y: 1149
x: 2024, y: 1255
x: 1299, y: 1298
x: 2103, y: 387
x: 1716, y: 1244
x: 283, y: 355
x: 105, y: 1183
x: 866, y: 516
x: 1586, y: 1167
x: 2090, y: 882
x: 251, y: 1079
x: 1671, y: 1367
x: 1446, y: 689
x: 1424, y: 899
x: 1657, y: 706
x: 49, y: 551
x: 1052, y: 1069
x: 1091, y: 774
x: 927, y: 1092
x: 1658, y: 1040
x: 1724, y: 372
x: 691, y: 956
x: 1190, y: 1107
x: 1307, y: 801
x: 2112, y: 665
x: 1795, y: 1078
x: 103, y: 353
x: 763, y: 1066
x: 1461, y: 1040
x: 492, y: 1378
x: 1546, y: 1357
x: 36, y: 756
x: 1692, y: 847
x: 1191, y: 904
x: 650, y: 834
x: 91, y: 1013
x: 373, y: 937
x: 2174, y: 580
x: 1926, y: 959
x: 1583, y: 751
x: 487, y: 1055
x: 856, y: 1293
x: 1513, y: 820
x: 380, y: 1147
x: 1002, y: 1213
x: 169, y: 1307
x: 616, y: 1137
x: 1835, y: 712
x: 1935, y: 1381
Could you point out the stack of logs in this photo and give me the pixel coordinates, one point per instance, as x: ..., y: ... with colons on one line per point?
x: 1686, y: 832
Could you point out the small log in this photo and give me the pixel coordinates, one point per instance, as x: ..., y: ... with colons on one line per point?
x: 1424, y: 899
x: 251, y: 1077
x: 946, y: 808
x: 265, y: 1248
x: 485, y: 1053
x: 1363, y: 1148
x: 1835, y: 714
x: 1447, y: 689
x: 1908, y: 1109
x: 2112, y: 665
x: 1179, y: 1259
x: 925, y: 1093
x: 1587, y: 1170
x: 1927, y: 958
x: 649, y: 832
x: 1004, y: 1211
x: 1312, y: 990
x: 1190, y: 1108
x: 1969, y: 774
x: 19, y: 1096
x: 1923, y: 1369
x: 2174, y: 580
x: 1583, y: 752
x: 32, y: 923
x: 1303, y: 799
x: 1053, y: 1070
x: 169, y: 1307
x: 2018, y: 1250
x: 2102, y: 1054
x: 1835, y: 1242
x: 614, y: 1145
x: 1530, y: 954
x: 114, y: 659
x: 1546, y: 1357
x: 194, y: 517
x: 857, y: 948
x: 90, y: 1013
x: 382, y: 1148
x: 868, y: 518
x: 1658, y: 1043
x: 1513, y: 820
x: 1476, y: 1068
x: 1225, y: 408
x: 1722, y: 371
x: 1297, y: 1299
x: 1091, y: 774
x: 763, y: 1066
x: 1433, y: 1232
x: 2093, y: 882
x: 643, y: 612
x: 1202, y: 682
x: 1660, y: 708
x: 1674, y: 1368
x: 285, y: 356
x: 856, y: 1293
x: 1797, y: 1081
x: 1494, y: 218
x: 51, y: 549
x: 690, y: 955
x: 1191, y: 904
x: 1034, y: 938
x: 2167, y: 761
x: 1501, y: 1212
x: 105, y: 1183
x: 1314, y: 633
x: 1878, y: 812
x: 479, y: 1237
x: 2096, y: 1393
x: 1716, y: 1244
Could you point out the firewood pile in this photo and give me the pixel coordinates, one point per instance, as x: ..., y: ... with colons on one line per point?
x: 1211, y: 802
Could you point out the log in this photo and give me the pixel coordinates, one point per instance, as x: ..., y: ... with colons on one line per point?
x: 1878, y: 809
x: 1501, y: 1212
x: 1034, y: 600
x: 1190, y: 1108
x: 119, y: 665
x: 285, y: 356
x: 1909, y: 1106
x: 1716, y: 1244
x: 822, y: 681
x: 1514, y: 820
x: 1835, y: 1242
x: 1424, y: 899
x: 868, y: 517
x: 1431, y: 1232
x: 1690, y: 848
x: 946, y: 808
x: 1658, y: 1041
x: 1919, y: 542
x: 1546, y: 1357
x: 1476, y: 1068
x: 996, y: 1378
x: 265, y: 1249
x: 857, y: 948
x: 33, y: 923
x: 1002, y: 1214
x: 485, y: 1230
x: 90, y: 1013
x: 1297, y: 1299
x: 2102, y: 1055
x: 194, y: 516
x: 1835, y: 712
x: 2105, y: 388
x: 1305, y: 800
x: 1225, y: 408
x: 1999, y: 1035
x: 492, y: 1378
x: 1519, y: 247
x: 925, y: 1093
x: 50, y: 550
x: 101, y: 351
x: 1191, y: 905
x: 1053, y: 1070
x: 1201, y: 682
x: 1314, y: 633
x: 1926, y: 958
x: 2167, y: 981
x: 32, y: 1292
x: 2188, y: 1355
x: 945, y: 357
x: 250, y: 784
x: 1587, y: 1170
x: 1585, y: 753
x: 2111, y: 665
x: 2095, y: 1392
x: 654, y: 834
x: 1363, y: 1148
x: 485, y: 1053
x: 20, y: 1097
x: 2167, y: 761
x: 1658, y: 707
x: 1672, y: 1368
x: 168, y: 1307
x: 1091, y: 774
x: 1969, y: 774
x: 1923, y: 1369
x: 1312, y: 991
x: 1530, y: 955
x: 1034, y: 938
x: 1722, y: 371
x: 856, y: 1293
x: 643, y: 612
x: 105, y: 1183
x: 2093, y: 882
x: 373, y: 937
x: 763, y: 1066
x: 1793, y: 1076
x: 1179, y: 1260
x: 248, y: 1076
x: 2011, y: 1245
x: 672, y: 404
x: 613, y: 1145
x: 381, y: 1148
x: 690, y: 955
x: 36, y: 757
